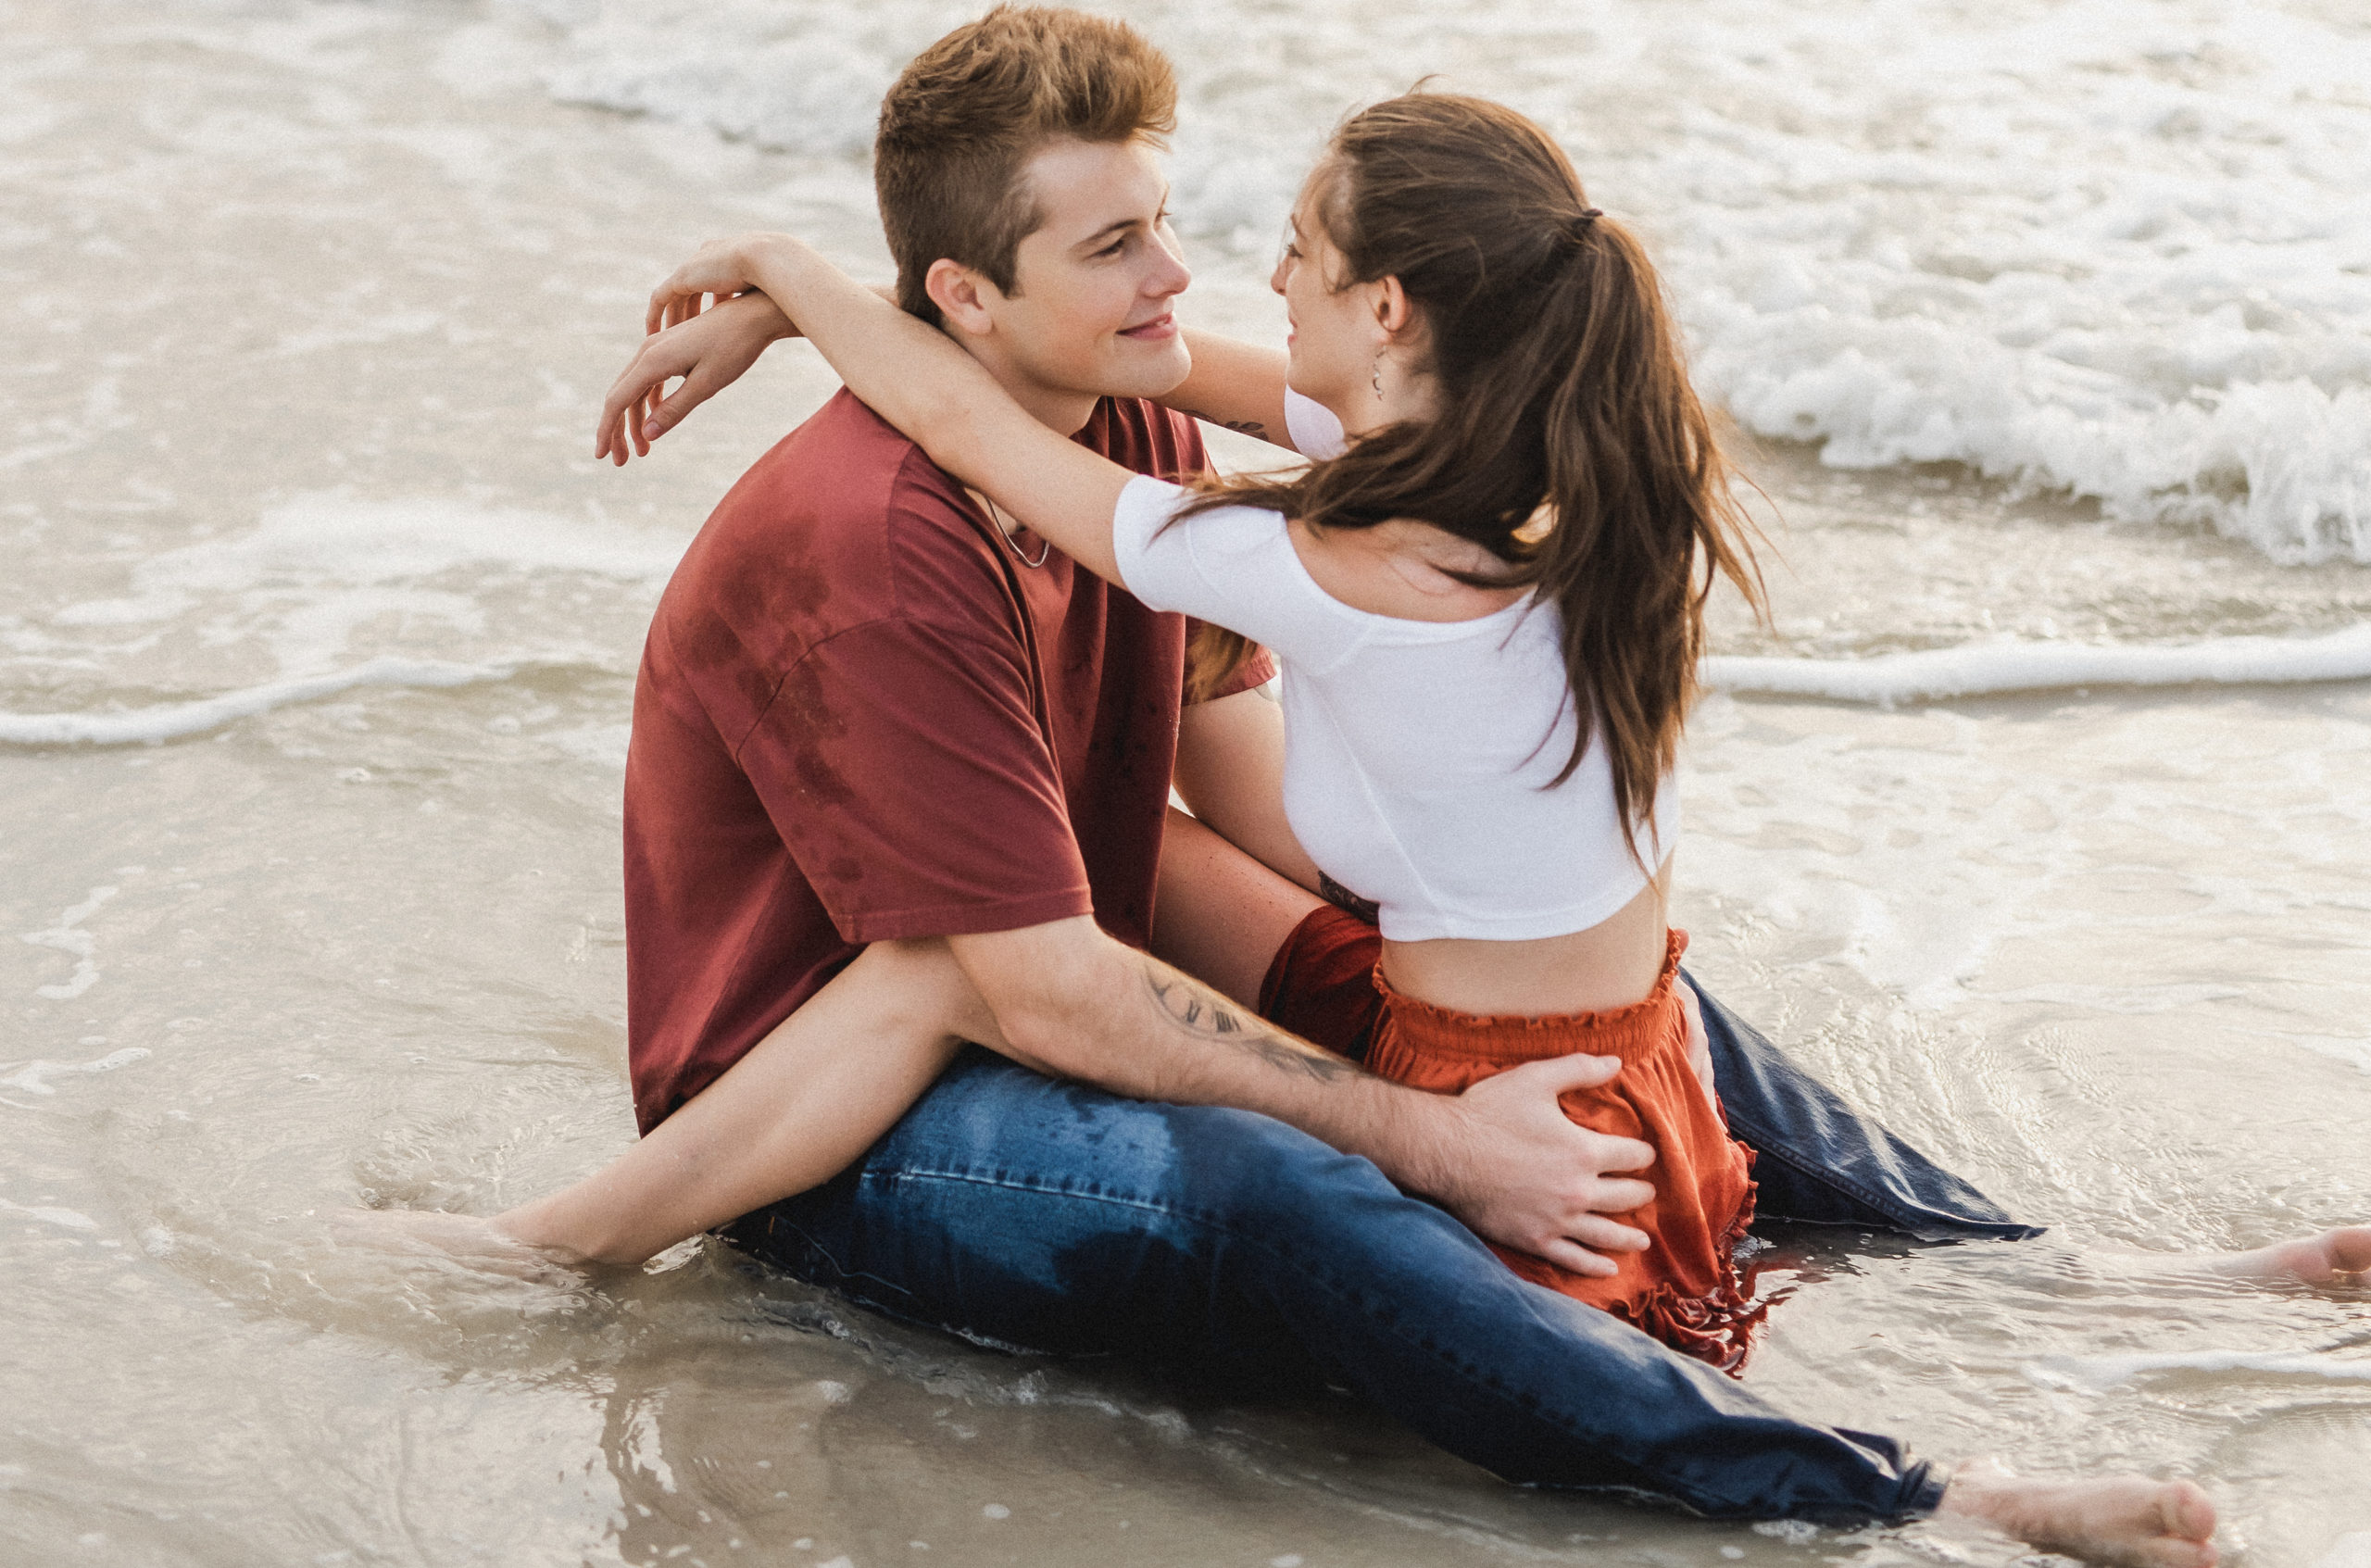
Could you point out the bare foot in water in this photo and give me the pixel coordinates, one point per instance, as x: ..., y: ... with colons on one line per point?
x: 2124, y: 1520
x: 2338, y: 1257
x: 464, y: 1238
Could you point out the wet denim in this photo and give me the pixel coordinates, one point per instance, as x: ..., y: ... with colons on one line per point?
x: 1820, y: 1163
x: 1024, y: 1212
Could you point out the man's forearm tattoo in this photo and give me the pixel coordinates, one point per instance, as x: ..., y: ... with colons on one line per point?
x: 1203, y: 1013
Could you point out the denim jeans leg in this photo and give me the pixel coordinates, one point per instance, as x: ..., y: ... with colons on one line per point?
x: 1821, y: 1162
x: 1022, y: 1212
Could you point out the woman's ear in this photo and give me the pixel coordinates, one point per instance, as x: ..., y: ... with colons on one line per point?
x: 1393, y: 309
x: 961, y: 295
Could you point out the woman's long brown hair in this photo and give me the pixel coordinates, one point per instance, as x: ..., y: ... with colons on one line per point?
x: 1566, y: 440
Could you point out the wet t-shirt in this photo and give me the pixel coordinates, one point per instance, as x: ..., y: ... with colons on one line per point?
x: 861, y: 716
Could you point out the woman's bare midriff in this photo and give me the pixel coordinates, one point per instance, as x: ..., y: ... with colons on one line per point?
x: 1613, y: 964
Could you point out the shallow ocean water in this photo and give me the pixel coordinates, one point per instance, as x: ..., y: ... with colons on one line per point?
x: 313, y: 306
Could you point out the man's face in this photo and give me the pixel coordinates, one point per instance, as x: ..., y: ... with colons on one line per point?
x: 1089, y: 313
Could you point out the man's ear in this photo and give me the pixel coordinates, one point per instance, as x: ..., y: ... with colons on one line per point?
x: 963, y: 295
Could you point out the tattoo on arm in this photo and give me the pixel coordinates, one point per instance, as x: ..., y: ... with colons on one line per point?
x: 1244, y: 427
x: 1194, y: 1008
x: 1348, y: 902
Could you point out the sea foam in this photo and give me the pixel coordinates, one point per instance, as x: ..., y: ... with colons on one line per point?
x: 2107, y: 247
x: 172, y: 721
x: 317, y: 587
x: 2107, y: 1371
x: 1887, y: 680
x: 1996, y: 668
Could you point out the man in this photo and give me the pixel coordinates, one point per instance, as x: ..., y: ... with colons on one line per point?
x: 872, y: 709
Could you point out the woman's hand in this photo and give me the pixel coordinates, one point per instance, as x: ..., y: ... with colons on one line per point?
x: 710, y: 349
x: 719, y: 269
x: 920, y: 380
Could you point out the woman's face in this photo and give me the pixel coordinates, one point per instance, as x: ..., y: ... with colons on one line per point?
x: 1335, y: 334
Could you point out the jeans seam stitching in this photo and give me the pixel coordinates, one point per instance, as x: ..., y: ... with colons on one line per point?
x: 1012, y: 1184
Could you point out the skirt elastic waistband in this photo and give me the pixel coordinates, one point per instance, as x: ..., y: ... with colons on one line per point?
x: 1628, y: 1031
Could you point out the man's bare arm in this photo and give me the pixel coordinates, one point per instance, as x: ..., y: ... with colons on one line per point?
x: 1073, y: 1002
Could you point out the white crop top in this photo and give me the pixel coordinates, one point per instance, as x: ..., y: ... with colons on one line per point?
x: 1418, y: 755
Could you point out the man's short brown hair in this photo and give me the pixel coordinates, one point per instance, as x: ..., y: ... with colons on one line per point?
x: 976, y: 105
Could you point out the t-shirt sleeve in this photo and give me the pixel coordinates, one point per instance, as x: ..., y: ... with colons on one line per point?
x: 1232, y: 565
x: 1315, y: 432
x: 902, y: 763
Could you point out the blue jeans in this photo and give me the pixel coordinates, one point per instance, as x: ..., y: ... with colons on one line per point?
x: 1022, y: 1212
x: 1820, y: 1163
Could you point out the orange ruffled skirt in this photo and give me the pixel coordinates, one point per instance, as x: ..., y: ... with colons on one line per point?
x: 1684, y: 1289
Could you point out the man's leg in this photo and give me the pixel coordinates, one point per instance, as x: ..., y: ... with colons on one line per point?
x: 1022, y: 1212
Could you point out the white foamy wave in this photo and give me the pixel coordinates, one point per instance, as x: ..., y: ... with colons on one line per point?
x: 172, y: 721
x: 319, y: 589
x: 2116, y: 248
x: 2106, y: 1371
x: 804, y: 77
x: 1995, y: 668
x: 32, y: 1077
x: 64, y: 1219
x: 319, y: 551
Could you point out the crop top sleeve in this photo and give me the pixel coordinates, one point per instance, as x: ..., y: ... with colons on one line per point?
x: 1316, y: 433
x: 1235, y: 565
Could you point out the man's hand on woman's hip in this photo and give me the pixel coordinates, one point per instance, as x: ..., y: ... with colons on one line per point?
x: 1503, y: 1157
x: 1517, y: 1170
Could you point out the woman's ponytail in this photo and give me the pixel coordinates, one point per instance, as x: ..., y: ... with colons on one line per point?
x: 1642, y: 514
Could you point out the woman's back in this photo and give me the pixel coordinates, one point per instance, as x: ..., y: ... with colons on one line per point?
x: 1427, y: 723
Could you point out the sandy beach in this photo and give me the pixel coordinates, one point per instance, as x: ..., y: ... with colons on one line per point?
x: 2052, y: 326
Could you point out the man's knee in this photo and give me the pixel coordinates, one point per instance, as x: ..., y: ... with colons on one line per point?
x: 918, y: 987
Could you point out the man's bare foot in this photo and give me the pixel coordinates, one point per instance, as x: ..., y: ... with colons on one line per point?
x: 2338, y: 1257
x: 464, y: 1238
x: 2124, y: 1519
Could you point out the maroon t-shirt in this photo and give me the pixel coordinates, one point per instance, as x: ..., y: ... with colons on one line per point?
x: 862, y: 717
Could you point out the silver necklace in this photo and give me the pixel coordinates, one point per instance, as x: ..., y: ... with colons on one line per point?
x: 1005, y: 530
